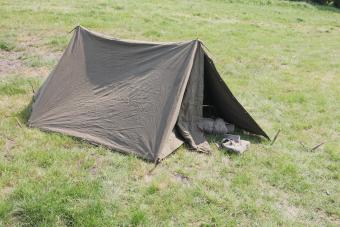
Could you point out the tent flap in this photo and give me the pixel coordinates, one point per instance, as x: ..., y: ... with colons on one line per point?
x: 225, y: 102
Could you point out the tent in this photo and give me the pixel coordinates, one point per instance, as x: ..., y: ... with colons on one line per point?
x: 135, y: 97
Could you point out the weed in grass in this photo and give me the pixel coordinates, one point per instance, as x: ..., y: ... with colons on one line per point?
x: 6, y: 46
x: 152, y: 189
x: 138, y: 218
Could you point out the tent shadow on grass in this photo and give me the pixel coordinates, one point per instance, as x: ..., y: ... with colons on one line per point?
x: 25, y: 113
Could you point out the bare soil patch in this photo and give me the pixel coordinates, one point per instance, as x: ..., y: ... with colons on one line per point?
x: 10, y: 62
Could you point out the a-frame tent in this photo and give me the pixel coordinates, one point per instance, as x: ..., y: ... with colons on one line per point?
x: 135, y: 97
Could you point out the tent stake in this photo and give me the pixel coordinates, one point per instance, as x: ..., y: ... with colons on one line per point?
x: 313, y: 148
x: 157, y: 162
x: 317, y: 146
x: 275, y: 137
x: 18, y: 122
x: 33, y: 91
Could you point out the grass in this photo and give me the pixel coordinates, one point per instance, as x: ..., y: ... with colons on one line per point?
x: 6, y: 46
x: 35, y: 61
x: 281, y: 60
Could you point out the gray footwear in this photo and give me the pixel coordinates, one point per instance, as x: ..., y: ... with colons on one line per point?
x: 234, y: 144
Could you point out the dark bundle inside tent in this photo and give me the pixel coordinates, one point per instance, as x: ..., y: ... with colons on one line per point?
x: 135, y: 97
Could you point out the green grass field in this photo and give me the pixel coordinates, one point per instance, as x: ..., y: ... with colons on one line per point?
x: 282, y: 61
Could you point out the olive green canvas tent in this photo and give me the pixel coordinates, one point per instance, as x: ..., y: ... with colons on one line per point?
x: 135, y: 97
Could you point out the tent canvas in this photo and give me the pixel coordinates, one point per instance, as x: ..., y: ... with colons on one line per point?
x: 135, y: 97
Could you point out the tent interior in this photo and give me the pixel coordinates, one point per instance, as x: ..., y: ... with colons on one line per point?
x: 219, y: 102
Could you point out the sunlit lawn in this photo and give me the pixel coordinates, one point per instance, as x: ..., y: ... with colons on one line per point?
x: 281, y: 60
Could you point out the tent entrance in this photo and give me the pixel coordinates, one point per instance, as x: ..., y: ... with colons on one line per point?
x: 209, y: 108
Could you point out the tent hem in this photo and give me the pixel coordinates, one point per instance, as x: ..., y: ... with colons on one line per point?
x: 94, y: 142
